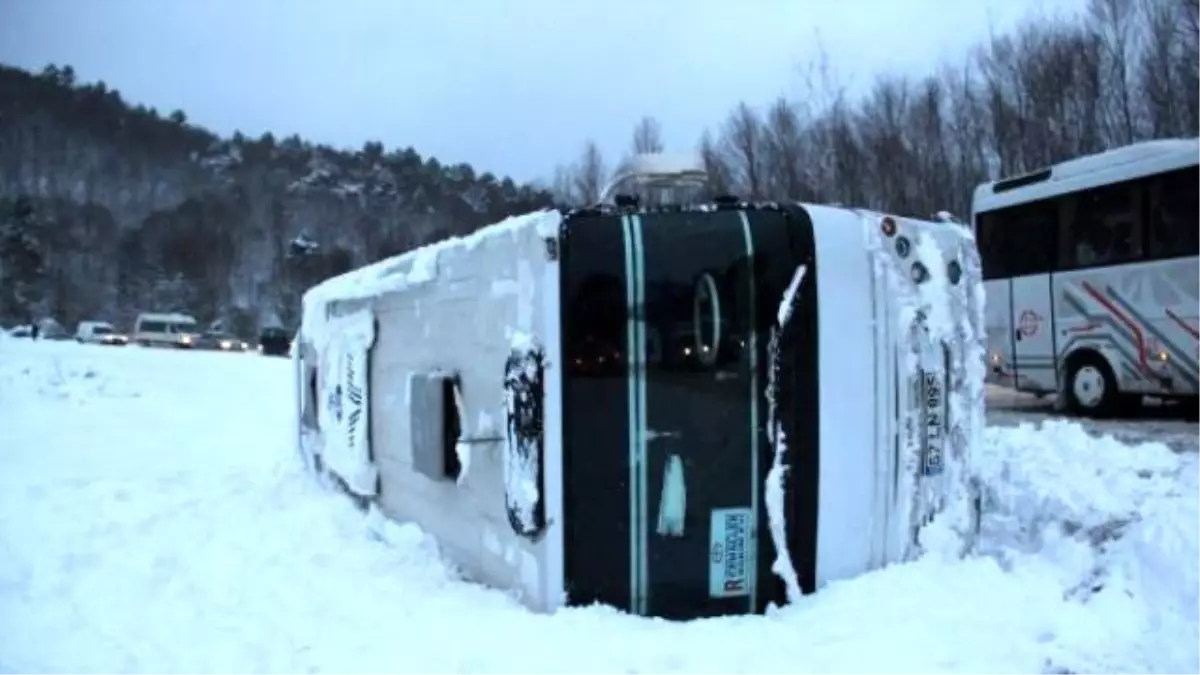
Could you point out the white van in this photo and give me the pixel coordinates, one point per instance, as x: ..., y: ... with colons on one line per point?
x: 165, y: 330
x: 99, y: 333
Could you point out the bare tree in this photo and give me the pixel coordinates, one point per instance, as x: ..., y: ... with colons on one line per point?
x: 782, y: 152
x: 589, y: 174
x: 1158, y: 73
x: 1054, y: 88
x: 647, y: 136
x: 720, y: 181
x: 743, y: 144
x: 562, y: 186
x: 1112, y: 20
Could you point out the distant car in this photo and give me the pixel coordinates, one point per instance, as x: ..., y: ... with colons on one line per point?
x: 25, y: 331
x: 274, y: 342
x: 99, y: 333
x: 219, y: 341
x: 165, y: 330
x: 51, y: 329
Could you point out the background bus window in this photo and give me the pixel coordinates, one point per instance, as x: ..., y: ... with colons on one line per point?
x: 1105, y: 229
x: 1172, y: 229
x: 990, y: 239
x: 1019, y: 240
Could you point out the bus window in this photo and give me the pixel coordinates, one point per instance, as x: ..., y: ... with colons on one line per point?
x: 1105, y: 229
x: 1019, y: 240
x: 989, y: 235
x: 1172, y: 230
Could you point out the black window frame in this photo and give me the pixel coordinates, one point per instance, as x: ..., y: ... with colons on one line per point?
x: 1072, y: 234
x: 1156, y: 186
x: 1005, y: 243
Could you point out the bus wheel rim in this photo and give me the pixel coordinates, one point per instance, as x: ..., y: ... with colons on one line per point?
x: 1089, y: 386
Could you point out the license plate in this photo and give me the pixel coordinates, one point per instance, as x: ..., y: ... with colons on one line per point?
x: 934, y: 399
x: 729, y: 559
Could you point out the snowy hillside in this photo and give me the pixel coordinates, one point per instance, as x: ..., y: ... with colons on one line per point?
x: 154, y: 518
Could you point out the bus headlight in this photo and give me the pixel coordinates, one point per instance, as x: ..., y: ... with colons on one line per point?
x: 919, y: 273
x: 903, y: 247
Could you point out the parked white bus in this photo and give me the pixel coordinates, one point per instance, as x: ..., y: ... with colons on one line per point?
x: 1090, y: 269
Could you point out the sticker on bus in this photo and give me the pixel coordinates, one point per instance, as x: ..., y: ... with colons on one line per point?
x: 729, y: 562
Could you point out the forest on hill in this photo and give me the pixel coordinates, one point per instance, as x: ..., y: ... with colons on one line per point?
x: 108, y: 208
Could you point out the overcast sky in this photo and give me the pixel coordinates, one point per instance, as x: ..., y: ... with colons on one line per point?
x: 510, y: 86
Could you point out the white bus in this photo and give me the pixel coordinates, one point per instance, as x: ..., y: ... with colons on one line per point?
x: 600, y: 405
x: 1090, y: 269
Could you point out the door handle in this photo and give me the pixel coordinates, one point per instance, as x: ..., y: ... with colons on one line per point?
x: 1017, y: 335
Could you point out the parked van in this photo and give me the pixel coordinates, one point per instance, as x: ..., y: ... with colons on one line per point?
x: 681, y: 410
x: 165, y: 330
x: 99, y: 333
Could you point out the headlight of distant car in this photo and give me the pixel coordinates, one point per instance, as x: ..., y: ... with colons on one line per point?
x: 226, y: 344
x: 245, y: 346
x: 186, y: 339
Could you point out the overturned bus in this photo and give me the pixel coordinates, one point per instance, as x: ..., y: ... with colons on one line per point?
x: 679, y: 410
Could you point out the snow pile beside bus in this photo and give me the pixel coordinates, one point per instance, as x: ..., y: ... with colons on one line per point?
x: 1115, y: 524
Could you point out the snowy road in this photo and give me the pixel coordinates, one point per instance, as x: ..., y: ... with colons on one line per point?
x: 1173, y: 425
x: 153, y: 518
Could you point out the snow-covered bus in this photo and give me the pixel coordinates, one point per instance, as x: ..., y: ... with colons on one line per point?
x: 677, y: 408
x: 1090, y: 268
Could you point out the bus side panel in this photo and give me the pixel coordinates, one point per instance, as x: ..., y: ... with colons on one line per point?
x: 1141, y: 318
x: 1000, y: 330
x: 1032, y: 319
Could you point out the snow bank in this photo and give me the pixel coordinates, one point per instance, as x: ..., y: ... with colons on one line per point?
x: 1116, y: 526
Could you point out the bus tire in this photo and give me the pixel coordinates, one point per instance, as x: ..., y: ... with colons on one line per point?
x: 1091, y: 386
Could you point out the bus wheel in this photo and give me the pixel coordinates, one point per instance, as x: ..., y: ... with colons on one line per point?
x: 1091, y: 387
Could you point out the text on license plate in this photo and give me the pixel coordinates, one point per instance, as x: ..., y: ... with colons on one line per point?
x: 933, y: 398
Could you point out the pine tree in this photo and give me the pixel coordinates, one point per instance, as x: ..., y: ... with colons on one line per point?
x: 22, y: 273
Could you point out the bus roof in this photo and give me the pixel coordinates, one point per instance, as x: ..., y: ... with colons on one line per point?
x: 1112, y: 166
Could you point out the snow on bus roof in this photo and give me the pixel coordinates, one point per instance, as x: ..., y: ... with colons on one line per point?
x: 395, y: 273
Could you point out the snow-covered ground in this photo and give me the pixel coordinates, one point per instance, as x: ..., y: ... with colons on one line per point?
x: 154, y: 518
x: 1174, y: 425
